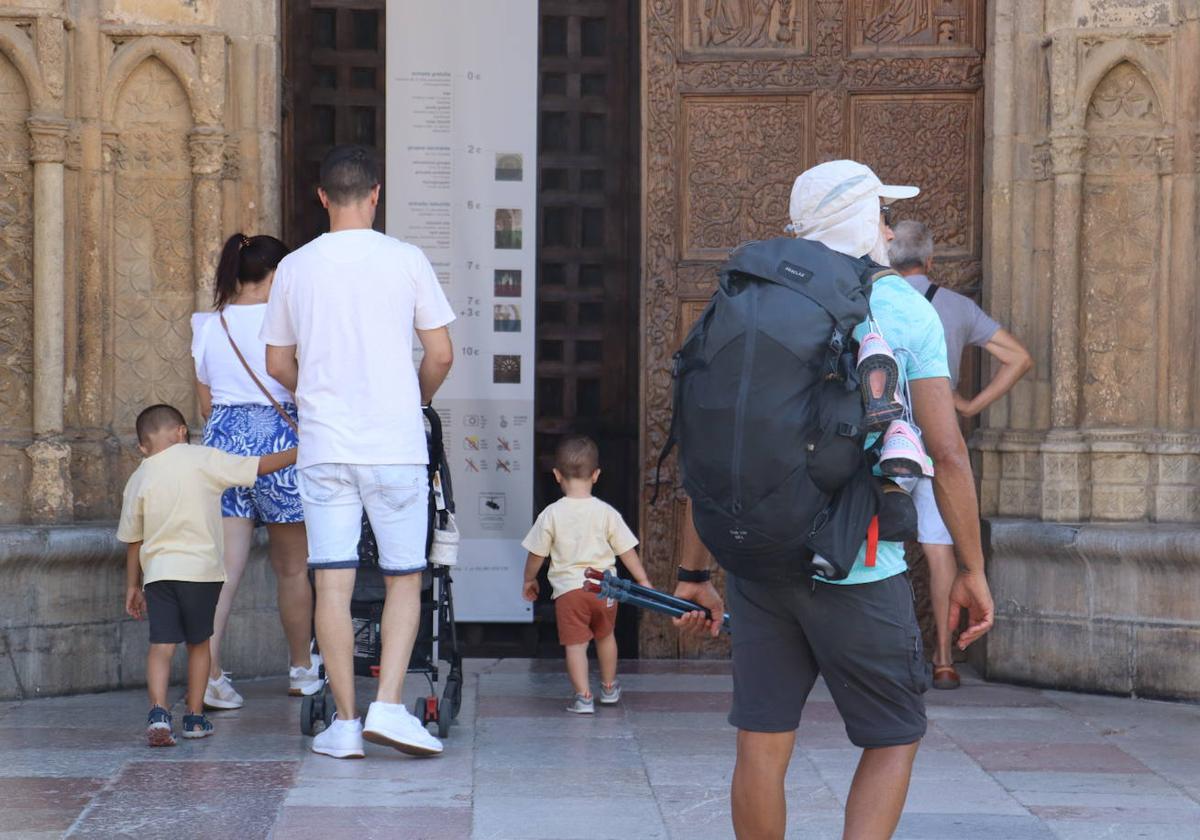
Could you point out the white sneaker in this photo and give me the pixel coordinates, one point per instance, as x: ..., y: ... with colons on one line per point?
x: 305, y: 681
x: 341, y: 739
x: 393, y: 725
x: 220, y: 694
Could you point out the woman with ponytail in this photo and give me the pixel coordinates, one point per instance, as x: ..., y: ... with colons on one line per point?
x: 248, y: 413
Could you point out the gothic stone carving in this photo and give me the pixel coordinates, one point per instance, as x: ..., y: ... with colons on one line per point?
x: 16, y: 255
x: 152, y: 244
x: 1120, y: 243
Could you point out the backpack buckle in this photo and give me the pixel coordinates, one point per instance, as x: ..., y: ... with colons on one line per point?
x: 847, y: 430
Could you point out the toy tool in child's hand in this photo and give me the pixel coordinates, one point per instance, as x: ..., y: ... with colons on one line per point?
x: 608, y: 585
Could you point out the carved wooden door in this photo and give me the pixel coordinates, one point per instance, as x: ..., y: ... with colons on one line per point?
x: 333, y: 93
x: 587, y: 339
x: 743, y: 95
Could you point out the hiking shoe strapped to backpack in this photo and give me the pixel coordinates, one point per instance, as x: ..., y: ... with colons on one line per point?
x: 903, y: 454
x: 879, y: 375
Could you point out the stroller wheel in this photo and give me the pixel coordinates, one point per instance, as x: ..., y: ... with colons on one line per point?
x: 307, y: 715
x: 452, y: 696
x: 443, y: 723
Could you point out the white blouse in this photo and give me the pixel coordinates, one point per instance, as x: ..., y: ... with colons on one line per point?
x: 217, y: 366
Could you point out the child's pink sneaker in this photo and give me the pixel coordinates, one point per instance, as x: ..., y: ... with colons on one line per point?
x: 902, y: 453
x: 879, y: 374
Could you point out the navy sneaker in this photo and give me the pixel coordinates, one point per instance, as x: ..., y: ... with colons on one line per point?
x: 196, y: 726
x: 158, y: 728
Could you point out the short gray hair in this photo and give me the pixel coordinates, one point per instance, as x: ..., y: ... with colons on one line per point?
x: 912, y: 246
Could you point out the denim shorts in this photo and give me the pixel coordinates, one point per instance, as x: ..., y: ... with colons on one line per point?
x: 257, y: 430
x: 396, y: 499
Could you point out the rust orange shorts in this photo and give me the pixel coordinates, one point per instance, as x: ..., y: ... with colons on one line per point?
x: 581, y: 616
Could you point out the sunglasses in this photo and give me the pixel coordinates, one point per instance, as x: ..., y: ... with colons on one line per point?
x: 885, y: 213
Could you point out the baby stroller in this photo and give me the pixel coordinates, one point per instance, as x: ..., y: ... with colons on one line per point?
x: 436, y: 637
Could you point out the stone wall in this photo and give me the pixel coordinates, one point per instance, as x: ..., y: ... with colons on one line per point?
x: 63, y: 627
x: 134, y: 136
x: 1090, y: 193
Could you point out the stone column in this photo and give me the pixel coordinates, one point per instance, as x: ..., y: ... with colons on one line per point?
x: 207, y: 146
x: 1067, y: 153
x: 49, y: 494
x: 49, y: 151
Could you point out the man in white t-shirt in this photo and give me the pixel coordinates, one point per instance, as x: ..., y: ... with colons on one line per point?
x: 339, y: 334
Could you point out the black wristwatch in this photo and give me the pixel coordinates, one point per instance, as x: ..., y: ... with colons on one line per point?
x: 693, y: 575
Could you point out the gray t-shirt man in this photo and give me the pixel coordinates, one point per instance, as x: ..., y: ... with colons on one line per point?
x: 965, y: 323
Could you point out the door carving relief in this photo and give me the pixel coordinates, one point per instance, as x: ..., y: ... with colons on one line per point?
x: 742, y: 96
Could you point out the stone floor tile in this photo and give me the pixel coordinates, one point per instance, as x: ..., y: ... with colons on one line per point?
x: 1081, y: 758
x: 536, y: 817
x: 566, y: 782
x: 352, y: 793
x: 179, y: 814
x: 1167, y: 811
x: 62, y: 763
x: 1076, y: 830
x: 376, y: 823
x: 669, y: 701
x: 1047, y: 782
x: 38, y: 792
x: 17, y: 822
x: 914, y: 826
x: 1047, y: 731
x: 200, y: 776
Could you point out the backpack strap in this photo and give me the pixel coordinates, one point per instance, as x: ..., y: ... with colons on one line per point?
x: 931, y: 291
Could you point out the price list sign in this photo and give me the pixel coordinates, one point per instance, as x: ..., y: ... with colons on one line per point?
x: 461, y: 185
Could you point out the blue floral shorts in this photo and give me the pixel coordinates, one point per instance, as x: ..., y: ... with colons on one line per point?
x: 257, y: 430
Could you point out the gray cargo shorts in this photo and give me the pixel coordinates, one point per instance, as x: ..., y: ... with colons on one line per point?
x: 863, y: 638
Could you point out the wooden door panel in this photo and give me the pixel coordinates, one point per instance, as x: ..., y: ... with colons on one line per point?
x: 742, y: 96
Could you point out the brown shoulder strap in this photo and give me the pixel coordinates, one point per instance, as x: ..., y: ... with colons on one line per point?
x: 287, y: 417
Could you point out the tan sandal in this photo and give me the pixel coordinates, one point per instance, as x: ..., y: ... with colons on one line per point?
x: 945, y: 677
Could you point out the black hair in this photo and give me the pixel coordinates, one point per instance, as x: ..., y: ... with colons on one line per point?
x: 155, y: 418
x: 349, y: 173
x: 577, y: 457
x: 245, y: 259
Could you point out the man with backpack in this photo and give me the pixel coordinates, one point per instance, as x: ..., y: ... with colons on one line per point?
x: 771, y: 431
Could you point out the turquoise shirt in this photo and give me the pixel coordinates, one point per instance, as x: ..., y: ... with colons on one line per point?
x: 913, y: 330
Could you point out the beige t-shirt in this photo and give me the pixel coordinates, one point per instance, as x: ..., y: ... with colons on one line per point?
x: 577, y: 535
x: 172, y: 504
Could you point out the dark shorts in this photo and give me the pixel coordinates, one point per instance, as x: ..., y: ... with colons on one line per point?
x: 863, y: 639
x: 181, y: 611
x: 581, y: 617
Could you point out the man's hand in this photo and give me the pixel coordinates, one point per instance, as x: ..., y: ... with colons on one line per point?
x: 530, y: 590
x: 696, y: 622
x: 970, y: 592
x: 963, y: 405
x: 135, y: 603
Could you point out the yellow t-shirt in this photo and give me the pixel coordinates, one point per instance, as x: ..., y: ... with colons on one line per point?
x: 577, y: 535
x: 172, y: 504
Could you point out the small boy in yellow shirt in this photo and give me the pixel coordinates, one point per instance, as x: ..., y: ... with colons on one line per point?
x: 171, y: 519
x: 580, y: 532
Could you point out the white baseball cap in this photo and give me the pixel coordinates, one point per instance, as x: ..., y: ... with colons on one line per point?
x: 837, y: 203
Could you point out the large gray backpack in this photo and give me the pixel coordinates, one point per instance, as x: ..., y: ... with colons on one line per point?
x: 768, y: 416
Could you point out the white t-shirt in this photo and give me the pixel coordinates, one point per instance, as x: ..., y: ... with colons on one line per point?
x: 218, y: 367
x: 349, y: 302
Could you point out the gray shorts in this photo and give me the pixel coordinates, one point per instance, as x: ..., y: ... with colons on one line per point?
x: 864, y: 639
